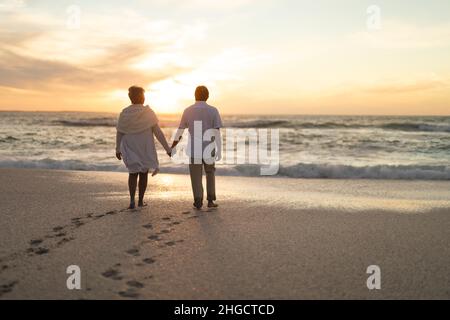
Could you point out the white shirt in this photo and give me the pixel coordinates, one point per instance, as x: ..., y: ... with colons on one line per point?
x: 199, y: 114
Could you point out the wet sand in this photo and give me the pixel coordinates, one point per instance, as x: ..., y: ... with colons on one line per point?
x: 269, y: 239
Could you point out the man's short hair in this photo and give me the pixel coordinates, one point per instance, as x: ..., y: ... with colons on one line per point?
x: 201, y: 93
x: 136, y: 94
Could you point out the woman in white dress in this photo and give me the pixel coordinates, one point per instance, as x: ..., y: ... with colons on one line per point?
x: 135, y: 144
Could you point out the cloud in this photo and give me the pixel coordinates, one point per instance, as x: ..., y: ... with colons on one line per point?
x: 34, y: 73
x: 42, y: 54
x: 102, y: 58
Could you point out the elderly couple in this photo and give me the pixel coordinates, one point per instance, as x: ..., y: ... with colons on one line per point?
x: 135, y: 145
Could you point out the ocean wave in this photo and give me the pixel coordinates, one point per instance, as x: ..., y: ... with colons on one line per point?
x: 9, y: 139
x: 60, y: 165
x: 406, y: 126
x: 301, y: 170
x: 260, y: 124
x: 401, y: 172
x: 409, y: 126
x: 98, y: 122
x: 103, y: 123
x: 416, y: 127
x: 330, y: 171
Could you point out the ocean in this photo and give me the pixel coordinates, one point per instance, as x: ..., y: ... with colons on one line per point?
x: 324, y: 147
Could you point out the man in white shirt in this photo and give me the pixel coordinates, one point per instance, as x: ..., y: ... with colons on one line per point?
x: 204, y: 147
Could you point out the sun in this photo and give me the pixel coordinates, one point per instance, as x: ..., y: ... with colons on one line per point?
x: 166, y: 96
x: 170, y: 95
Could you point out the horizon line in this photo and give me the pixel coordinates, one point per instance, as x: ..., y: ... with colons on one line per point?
x: 242, y: 114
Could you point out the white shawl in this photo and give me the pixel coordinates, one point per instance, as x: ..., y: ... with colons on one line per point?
x: 135, y: 119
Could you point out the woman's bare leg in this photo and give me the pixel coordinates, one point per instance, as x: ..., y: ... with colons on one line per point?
x: 132, y: 184
x: 143, y: 178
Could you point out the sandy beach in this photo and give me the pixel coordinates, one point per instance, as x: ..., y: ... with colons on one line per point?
x: 271, y: 238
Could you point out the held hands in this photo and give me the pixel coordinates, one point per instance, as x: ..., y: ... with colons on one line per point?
x: 174, y: 144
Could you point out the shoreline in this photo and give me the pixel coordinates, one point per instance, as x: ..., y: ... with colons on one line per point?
x: 248, y: 171
x: 287, y: 239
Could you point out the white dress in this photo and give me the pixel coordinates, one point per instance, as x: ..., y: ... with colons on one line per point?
x: 139, y: 151
x: 135, y: 138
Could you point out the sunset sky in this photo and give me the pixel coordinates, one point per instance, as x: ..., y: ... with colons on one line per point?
x: 256, y: 56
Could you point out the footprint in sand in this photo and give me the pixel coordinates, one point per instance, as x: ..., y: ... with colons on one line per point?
x: 133, y: 252
x: 112, y: 274
x: 166, y: 218
x: 109, y: 213
x: 64, y: 240
x: 153, y: 237
x: 78, y: 223
x: 60, y: 234
x: 165, y: 231
x: 38, y: 251
x: 5, y: 288
x: 36, y: 242
x: 129, y: 294
x: 186, y: 212
x: 149, y: 260
x: 135, y: 284
x: 170, y: 243
x: 148, y: 226
x: 58, y: 228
